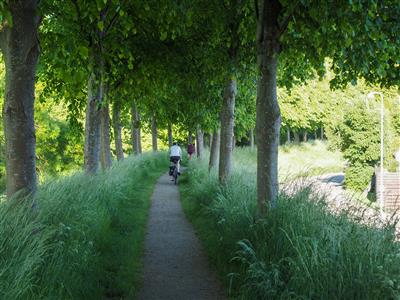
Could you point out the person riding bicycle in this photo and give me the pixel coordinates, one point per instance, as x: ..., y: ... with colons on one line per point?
x: 175, y: 154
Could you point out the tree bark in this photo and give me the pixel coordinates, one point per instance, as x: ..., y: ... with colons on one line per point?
x: 135, y: 130
x: 170, y: 138
x: 227, y: 123
x: 288, y: 134
x: 117, y: 127
x: 154, y: 132
x: 93, y: 122
x: 268, y: 118
x: 305, y: 136
x: 322, y: 133
x: 251, y: 133
x: 296, y: 137
x: 200, y: 143
x: 233, y: 142
x: 20, y: 48
x: 95, y: 102
x: 190, y: 137
x: 105, y: 136
x: 214, y: 149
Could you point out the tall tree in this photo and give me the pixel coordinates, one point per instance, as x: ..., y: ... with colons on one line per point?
x: 105, y: 139
x: 88, y: 35
x: 200, y: 142
x: 301, y: 34
x: 20, y: 47
x: 251, y: 134
x: 154, y: 132
x: 214, y: 151
x: 117, y: 128
x: 135, y: 130
x: 227, y: 123
x: 170, y: 138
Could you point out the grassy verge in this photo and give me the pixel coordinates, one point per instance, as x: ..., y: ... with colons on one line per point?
x: 299, y: 251
x: 85, y: 238
x: 311, y: 158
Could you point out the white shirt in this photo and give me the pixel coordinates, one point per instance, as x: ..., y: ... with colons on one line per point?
x: 175, y: 150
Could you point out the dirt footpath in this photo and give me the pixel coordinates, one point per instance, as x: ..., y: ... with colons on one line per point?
x: 175, y: 266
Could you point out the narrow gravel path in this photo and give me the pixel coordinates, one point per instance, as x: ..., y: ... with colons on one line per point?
x: 174, y: 264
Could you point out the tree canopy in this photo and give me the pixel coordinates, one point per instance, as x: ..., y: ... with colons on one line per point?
x: 197, y: 66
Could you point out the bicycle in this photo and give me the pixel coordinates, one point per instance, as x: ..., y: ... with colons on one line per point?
x: 173, y: 171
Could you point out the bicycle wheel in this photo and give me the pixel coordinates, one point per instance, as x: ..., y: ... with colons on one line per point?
x: 175, y: 175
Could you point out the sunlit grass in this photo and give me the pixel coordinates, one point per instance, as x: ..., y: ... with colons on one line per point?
x: 300, y: 250
x: 312, y: 158
x: 84, y: 239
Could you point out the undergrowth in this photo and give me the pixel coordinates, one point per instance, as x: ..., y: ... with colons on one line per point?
x: 84, y: 238
x: 300, y: 250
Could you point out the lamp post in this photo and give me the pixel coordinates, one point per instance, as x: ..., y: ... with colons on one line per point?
x: 381, y: 200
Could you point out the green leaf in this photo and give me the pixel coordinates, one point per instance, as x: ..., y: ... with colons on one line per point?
x: 84, y: 51
x: 100, y: 25
x: 163, y: 36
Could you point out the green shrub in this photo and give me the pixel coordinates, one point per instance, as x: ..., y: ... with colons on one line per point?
x: 357, y: 177
x: 85, y: 238
x: 299, y: 251
x: 357, y: 135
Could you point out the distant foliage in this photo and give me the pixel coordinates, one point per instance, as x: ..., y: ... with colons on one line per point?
x: 357, y: 135
x: 59, y: 147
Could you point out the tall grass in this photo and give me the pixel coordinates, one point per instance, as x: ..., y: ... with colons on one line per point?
x: 85, y: 237
x: 298, y: 251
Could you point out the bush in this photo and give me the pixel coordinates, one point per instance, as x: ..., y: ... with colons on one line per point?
x: 358, y: 177
x: 299, y: 251
x: 85, y: 238
x: 358, y: 137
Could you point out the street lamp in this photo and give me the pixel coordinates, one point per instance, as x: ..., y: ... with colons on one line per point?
x: 381, y: 202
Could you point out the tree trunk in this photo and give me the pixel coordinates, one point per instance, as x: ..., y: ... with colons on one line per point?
x: 305, y: 136
x: 268, y: 118
x: 170, y: 134
x: 288, y: 134
x: 296, y: 137
x: 93, y: 122
x: 206, y: 140
x: 20, y: 47
x: 233, y: 142
x: 105, y: 137
x: 227, y: 123
x: 322, y: 133
x: 214, y: 149
x: 251, y: 133
x: 200, y: 143
x: 117, y: 130
x: 135, y: 130
x: 190, y: 137
x: 210, y: 138
x: 154, y: 132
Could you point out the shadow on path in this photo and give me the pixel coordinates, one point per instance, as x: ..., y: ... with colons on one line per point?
x: 336, y: 179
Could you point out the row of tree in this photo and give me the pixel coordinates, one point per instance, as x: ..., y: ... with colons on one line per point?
x: 172, y: 61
